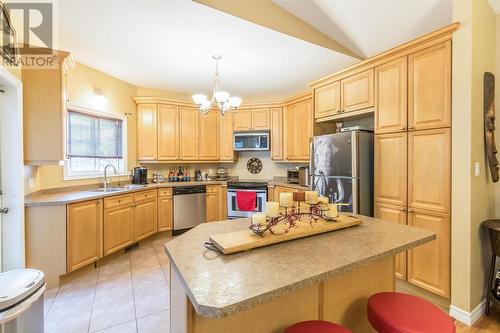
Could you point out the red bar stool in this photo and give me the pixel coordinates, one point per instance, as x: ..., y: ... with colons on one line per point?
x: 316, y: 326
x: 393, y: 312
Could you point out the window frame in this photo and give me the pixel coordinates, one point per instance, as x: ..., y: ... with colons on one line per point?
x: 93, y: 175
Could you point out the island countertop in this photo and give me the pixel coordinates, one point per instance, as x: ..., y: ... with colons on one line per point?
x: 219, y: 285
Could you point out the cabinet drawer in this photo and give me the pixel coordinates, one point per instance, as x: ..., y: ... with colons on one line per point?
x: 139, y: 196
x: 212, y: 189
x: 119, y: 200
x: 164, y: 192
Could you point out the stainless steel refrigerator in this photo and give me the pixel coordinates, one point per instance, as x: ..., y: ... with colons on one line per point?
x: 342, y: 169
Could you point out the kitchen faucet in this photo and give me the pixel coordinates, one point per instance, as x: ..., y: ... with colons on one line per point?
x: 106, y: 182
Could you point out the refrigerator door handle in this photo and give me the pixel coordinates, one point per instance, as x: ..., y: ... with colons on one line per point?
x: 334, y: 177
x: 311, y: 163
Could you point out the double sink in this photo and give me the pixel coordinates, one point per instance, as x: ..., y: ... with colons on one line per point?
x: 117, y: 188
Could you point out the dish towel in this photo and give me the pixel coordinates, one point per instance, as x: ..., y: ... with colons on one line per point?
x: 246, y: 201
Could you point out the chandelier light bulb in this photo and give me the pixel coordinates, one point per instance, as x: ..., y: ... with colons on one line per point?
x: 221, y: 96
x: 199, y: 99
x: 234, y: 102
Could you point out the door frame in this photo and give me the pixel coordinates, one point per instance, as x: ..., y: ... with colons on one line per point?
x: 12, y: 250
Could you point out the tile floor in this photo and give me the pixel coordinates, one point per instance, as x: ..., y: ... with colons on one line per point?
x: 130, y: 293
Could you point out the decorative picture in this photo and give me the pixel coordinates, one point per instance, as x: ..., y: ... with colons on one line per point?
x: 489, y: 124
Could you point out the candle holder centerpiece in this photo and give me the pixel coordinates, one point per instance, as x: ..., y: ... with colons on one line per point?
x: 293, y: 209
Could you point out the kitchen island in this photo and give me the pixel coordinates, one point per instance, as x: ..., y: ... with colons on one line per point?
x: 328, y: 276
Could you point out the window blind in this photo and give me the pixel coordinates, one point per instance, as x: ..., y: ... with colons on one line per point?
x: 94, y: 136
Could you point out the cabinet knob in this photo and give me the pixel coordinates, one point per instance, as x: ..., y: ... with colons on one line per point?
x: 410, y: 210
x: 403, y: 209
x: 402, y: 128
x: 119, y: 201
x: 411, y: 127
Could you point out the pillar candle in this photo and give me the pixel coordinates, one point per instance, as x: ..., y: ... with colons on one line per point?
x: 272, y: 209
x: 312, y: 197
x: 323, y: 200
x: 299, y: 196
x: 332, y: 211
x: 259, y: 218
x: 286, y: 199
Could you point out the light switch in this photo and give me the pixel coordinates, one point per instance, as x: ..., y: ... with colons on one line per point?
x: 477, y: 169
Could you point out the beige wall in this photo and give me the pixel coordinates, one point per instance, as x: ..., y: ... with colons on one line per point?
x: 472, y: 196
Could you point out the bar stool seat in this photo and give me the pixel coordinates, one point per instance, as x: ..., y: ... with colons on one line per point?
x: 316, y: 326
x: 393, y: 312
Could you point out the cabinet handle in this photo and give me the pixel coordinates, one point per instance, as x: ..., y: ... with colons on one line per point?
x: 411, y: 127
x: 119, y: 201
x: 403, y: 209
x: 402, y: 128
x: 410, y: 210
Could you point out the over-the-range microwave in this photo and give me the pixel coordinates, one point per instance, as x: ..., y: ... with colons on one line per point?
x: 251, y: 140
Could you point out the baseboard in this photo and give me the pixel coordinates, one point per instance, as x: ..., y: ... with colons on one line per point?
x: 468, y: 318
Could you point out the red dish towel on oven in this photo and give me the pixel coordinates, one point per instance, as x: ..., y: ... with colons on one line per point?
x: 246, y: 201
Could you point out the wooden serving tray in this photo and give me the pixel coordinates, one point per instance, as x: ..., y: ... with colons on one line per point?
x: 244, y: 240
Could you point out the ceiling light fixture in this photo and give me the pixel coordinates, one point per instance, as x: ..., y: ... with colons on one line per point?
x: 101, y: 98
x: 220, y: 99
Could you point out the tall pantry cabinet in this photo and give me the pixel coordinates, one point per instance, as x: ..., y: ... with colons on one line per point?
x: 413, y: 158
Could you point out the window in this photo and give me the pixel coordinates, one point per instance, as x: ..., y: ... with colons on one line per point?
x: 94, y: 141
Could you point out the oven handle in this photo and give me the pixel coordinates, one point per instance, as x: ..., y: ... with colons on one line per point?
x: 256, y: 191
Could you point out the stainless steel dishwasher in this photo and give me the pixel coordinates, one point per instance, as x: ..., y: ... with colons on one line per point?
x: 189, y: 207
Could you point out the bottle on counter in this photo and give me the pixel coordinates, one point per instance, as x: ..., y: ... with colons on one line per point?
x: 180, y: 175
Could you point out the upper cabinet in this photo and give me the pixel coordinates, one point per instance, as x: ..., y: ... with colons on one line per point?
x: 168, y: 132
x: 327, y: 100
x: 391, y: 101
x: 298, y: 119
x: 208, y: 136
x: 226, y: 137
x: 277, y: 133
x: 429, y: 87
x: 357, y: 91
x: 189, y: 133
x: 44, y: 112
x: 147, y: 147
x: 251, y: 119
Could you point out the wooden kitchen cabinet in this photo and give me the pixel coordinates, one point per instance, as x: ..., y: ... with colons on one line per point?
x: 213, y: 203
x: 145, y: 218
x: 84, y: 234
x: 277, y: 134
x: 118, y: 227
x: 260, y: 119
x: 147, y: 145
x: 222, y: 203
x: 429, y: 87
x: 327, y: 100
x: 208, y: 137
x: 226, y: 137
x: 429, y: 265
x: 281, y: 189
x: 44, y: 111
x: 243, y: 120
x: 429, y: 170
x: 357, y: 91
x: 168, y: 132
x: 390, y: 168
x: 391, y: 83
x: 165, y: 209
x: 396, y: 214
x: 298, y: 120
x: 189, y: 133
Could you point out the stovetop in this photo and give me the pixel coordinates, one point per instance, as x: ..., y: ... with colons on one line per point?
x: 247, y: 183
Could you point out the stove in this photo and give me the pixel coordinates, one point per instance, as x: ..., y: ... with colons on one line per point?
x: 257, y: 186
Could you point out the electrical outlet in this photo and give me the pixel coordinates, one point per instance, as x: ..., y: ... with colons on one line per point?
x: 31, y: 183
x: 477, y: 169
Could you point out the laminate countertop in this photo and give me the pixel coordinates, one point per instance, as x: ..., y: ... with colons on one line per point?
x: 77, y: 195
x: 220, y: 285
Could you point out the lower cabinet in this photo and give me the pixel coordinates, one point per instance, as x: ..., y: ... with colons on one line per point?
x: 281, y: 189
x: 165, y: 209
x: 213, y: 203
x: 395, y: 214
x: 145, y: 219
x: 118, y: 228
x: 84, y: 233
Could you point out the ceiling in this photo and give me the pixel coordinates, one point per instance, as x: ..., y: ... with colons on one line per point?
x: 168, y: 44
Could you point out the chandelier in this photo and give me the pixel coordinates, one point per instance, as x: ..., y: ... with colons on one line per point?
x: 220, y: 99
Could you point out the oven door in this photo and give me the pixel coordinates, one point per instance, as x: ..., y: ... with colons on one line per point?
x: 232, y: 206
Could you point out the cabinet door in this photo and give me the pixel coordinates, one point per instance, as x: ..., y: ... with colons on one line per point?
x: 145, y: 219
x: 222, y: 203
x: 208, y: 136
x: 391, y: 97
x: 395, y: 214
x: 429, y: 264
x: 327, y: 100
x: 390, y: 168
x: 212, y: 202
x: 84, y: 233
x: 226, y: 137
x: 357, y: 91
x: 118, y: 228
x: 189, y: 133
x: 429, y: 87
x: 289, y: 134
x: 147, y: 145
x: 277, y: 133
x: 165, y: 213
x: 243, y: 120
x: 260, y: 119
x: 168, y: 132
x: 281, y: 189
x: 303, y: 129
x: 429, y: 170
